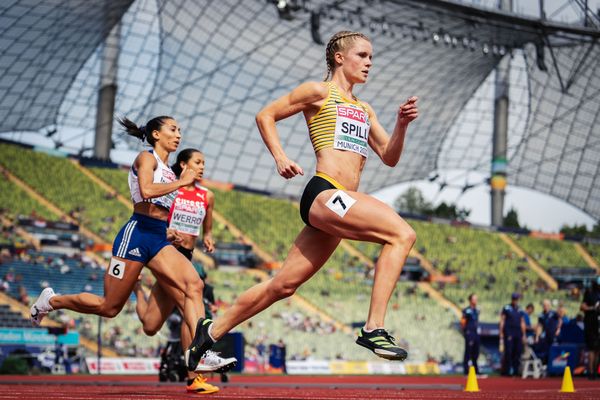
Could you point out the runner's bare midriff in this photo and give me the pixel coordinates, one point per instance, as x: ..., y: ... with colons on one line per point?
x: 187, y: 241
x: 343, y: 166
x: 151, y: 210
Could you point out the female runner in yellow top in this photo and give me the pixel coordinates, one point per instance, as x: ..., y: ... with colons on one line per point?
x: 341, y: 129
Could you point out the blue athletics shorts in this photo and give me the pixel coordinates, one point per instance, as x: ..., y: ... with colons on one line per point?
x: 140, y: 239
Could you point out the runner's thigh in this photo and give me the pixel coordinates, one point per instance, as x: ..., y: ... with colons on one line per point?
x: 356, y: 216
x: 119, y: 279
x: 161, y: 305
x: 172, y: 269
x: 311, y: 249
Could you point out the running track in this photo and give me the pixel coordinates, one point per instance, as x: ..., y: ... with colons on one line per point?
x: 291, y: 387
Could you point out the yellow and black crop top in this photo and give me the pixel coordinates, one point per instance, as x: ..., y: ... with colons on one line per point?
x: 340, y: 123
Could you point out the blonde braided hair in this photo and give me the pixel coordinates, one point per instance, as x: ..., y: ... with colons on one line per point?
x: 339, y: 42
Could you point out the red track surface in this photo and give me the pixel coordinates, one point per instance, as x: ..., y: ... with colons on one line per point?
x: 291, y: 387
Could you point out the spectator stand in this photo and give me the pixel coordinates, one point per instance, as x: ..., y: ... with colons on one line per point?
x: 587, y: 252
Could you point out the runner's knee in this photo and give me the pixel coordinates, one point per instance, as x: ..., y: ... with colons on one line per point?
x: 409, y: 236
x: 110, y: 310
x: 280, y: 289
x: 149, y: 328
x: 405, y: 236
x: 195, y: 288
x: 150, y: 332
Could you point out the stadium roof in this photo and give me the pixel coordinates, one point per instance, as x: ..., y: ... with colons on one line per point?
x: 213, y: 65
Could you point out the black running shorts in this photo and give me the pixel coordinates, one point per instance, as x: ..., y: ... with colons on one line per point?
x: 186, y: 252
x: 315, y: 186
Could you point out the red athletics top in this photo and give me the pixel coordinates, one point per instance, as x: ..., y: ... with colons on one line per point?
x: 188, y: 210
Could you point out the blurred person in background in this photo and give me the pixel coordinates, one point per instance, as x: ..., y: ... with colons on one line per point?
x: 591, y: 321
x: 562, y: 314
x: 529, y: 328
x: 547, y: 330
x: 470, y: 326
x: 512, y: 336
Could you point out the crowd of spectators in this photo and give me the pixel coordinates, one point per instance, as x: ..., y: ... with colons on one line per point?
x: 303, y: 323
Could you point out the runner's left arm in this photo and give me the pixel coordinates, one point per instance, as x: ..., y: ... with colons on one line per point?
x: 389, y: 148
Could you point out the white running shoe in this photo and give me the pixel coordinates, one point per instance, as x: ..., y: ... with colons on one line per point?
x: 212, y: 362
x: 42, y: 306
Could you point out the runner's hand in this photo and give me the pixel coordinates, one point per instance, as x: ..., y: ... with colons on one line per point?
x: 174, y: 237
x: 209, y: 244
x: 188, y: 176
x: 408, y: 111
x: 288, y: 168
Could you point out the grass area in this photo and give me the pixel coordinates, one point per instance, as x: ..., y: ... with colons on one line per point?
x: 115, y: 177
x: 64, y: 185
x: 551, y: 253
x: 594, y: 250
x: 15, y: 201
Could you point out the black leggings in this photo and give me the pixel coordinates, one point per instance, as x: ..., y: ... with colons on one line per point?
x: 315, y: 186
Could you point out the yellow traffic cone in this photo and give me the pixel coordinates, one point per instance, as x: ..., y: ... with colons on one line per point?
x: 472, y: 385
x: 567, y: 383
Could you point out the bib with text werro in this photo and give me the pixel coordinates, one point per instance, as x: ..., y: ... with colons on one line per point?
x: 188, y: 211
x: 352, y: 129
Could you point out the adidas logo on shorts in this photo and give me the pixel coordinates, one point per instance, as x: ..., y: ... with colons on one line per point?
x: 135, y: 252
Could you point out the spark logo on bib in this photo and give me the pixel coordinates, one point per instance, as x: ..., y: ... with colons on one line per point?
x: 352, y: 130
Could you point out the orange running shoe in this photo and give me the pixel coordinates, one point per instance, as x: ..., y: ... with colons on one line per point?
x: 199, y: 385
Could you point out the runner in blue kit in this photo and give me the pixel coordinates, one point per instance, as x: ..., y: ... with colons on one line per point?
x: 342, y: 129
x: 190, y: 214
x: 143, y: 240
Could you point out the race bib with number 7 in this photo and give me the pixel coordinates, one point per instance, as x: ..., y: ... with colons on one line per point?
x: 340, y: 203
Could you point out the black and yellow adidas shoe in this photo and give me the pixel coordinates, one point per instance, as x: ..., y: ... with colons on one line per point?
x: 380, y: 342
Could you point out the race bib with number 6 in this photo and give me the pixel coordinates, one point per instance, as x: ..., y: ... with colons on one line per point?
x: 116, y: 268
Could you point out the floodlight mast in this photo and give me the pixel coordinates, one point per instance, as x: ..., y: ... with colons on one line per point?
x: 107, y: 92
x: 500, y: 134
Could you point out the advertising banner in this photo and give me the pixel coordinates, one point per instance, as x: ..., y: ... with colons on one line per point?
x: 123, y: 366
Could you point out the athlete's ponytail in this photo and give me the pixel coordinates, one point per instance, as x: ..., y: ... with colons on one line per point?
x: 143, y: 132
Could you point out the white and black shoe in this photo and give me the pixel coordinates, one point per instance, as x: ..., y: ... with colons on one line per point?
x: 212, y: 362
x: 42, y: 306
